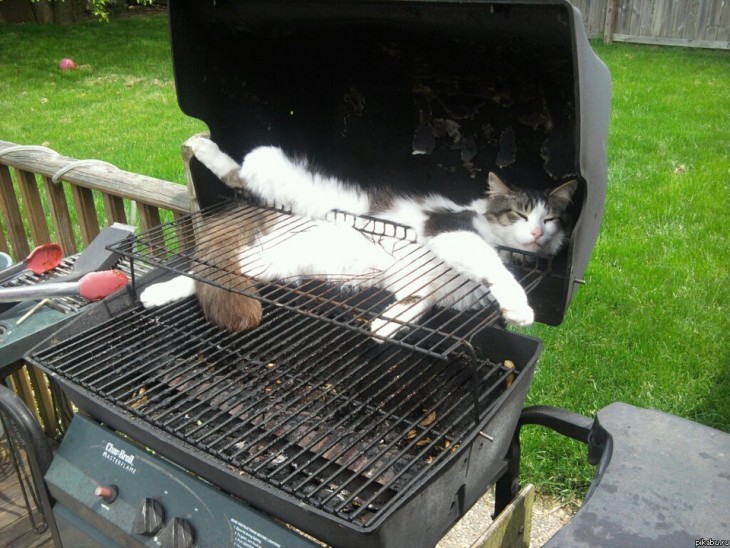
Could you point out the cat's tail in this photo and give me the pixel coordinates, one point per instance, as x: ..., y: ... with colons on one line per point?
x: 229, y: 310
x: 227, y: 296
x: 273, y: 177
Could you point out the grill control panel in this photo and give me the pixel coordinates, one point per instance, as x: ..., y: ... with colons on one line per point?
x: 112, y: 492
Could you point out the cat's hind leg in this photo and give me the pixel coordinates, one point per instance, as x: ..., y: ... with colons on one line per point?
x: 411, y: 281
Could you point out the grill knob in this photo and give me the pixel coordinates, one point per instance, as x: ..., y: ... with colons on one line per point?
x: 177, y: 534
x: 149, y: 518
x: 107, y: 493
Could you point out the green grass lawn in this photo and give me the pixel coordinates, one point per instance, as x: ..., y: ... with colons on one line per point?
x: 649, y: 328
x: 118, y: 106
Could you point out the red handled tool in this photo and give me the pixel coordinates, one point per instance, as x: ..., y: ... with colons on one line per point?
x: 42, y: 259
x: 92, y: 287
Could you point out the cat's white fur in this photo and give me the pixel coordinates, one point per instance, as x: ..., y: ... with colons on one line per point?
x: 340, y: 253
x: 280, y: 181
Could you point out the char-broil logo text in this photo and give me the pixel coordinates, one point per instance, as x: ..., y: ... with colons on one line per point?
x: 119, y: 457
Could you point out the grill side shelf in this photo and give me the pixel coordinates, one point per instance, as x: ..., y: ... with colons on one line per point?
x: 251, y: 241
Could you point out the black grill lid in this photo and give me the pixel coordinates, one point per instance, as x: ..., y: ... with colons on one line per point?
x: 420, y: 95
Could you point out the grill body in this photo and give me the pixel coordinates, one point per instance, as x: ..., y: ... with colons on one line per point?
x: 309, y: 419
x: 92, y: 456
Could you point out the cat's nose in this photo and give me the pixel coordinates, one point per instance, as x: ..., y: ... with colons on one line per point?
x: 537, y: 233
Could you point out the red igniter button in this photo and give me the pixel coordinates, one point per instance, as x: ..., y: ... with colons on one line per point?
x: 108, y: 493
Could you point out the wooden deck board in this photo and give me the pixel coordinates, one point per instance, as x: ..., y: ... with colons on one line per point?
x: 16, y: 529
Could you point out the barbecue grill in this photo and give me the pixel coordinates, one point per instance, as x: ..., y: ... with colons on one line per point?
x: 315, y: 419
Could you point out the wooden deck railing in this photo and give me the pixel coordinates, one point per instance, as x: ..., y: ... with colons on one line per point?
x: 46, y: 197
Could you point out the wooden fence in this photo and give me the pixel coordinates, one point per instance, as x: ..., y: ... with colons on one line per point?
x: 691, y: 23
x: 48, y: 197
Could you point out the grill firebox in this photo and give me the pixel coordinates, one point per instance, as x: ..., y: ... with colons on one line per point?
x: 303, y: 411
x: 359, y: 433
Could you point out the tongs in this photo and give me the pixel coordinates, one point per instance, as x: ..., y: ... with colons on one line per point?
x: 90, y: 278
x: 92, y: 287
x: 42, y: 259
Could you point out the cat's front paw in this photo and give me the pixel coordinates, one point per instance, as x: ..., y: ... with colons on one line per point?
x: 512, y: 301
x: 403, y: 313
x: 153, y: 296
x: 222, y: 165
x: 202, y: 147
x: 156, y: 295
x: 521, y: 316
x: 167, y: 292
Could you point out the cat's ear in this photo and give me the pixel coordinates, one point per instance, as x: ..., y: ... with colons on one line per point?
x: 564, y: 192
x: 497, y: 186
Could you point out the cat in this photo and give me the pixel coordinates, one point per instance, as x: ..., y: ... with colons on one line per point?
x: 459, y: 237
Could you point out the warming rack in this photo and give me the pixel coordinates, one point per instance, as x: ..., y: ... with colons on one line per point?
x: 441, y: 332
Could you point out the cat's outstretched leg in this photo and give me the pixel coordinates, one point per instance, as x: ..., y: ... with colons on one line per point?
x: 223, y: 166
x: 467, y: 253
x: 412, y: 282
x: 279, y: 181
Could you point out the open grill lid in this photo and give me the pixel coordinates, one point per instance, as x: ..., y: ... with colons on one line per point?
x: 426, y: 96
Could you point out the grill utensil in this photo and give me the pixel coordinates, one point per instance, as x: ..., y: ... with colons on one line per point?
x: 42, y: 259
x: 92, y: 287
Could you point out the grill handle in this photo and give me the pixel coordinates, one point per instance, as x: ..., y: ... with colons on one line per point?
x: 562, y: 421
x: 566, y: 423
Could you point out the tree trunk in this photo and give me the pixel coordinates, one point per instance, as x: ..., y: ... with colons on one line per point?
x: 68, y: 11
x: 43, y: 12
x: 57, y: 11
x: 16, y: 11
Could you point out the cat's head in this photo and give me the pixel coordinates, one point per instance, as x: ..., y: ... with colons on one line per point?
x: 529, y: 220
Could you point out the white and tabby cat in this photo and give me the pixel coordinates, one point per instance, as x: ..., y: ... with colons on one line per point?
x: 463, y: 236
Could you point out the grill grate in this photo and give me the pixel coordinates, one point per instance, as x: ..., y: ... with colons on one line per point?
x: 315, y: 409
x: 349, y: 302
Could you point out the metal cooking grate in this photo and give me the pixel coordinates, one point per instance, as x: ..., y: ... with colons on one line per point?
x: 320, y: 411
x: 172, y: 246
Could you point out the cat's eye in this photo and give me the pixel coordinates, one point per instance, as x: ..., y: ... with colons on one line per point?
x: 552, y: 219
x: 516, y: 214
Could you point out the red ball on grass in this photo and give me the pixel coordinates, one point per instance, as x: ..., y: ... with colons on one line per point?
x: 66, y: 64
